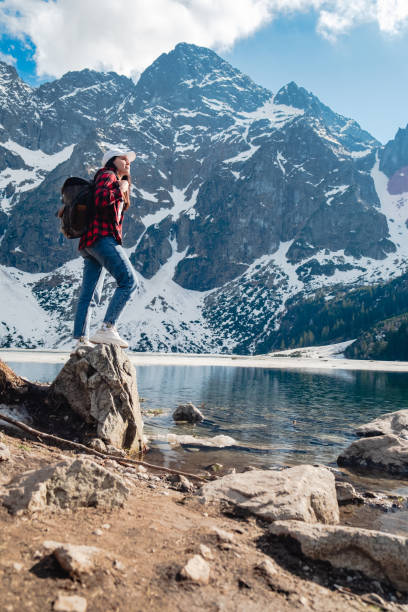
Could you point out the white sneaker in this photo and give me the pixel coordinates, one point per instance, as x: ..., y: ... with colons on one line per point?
x: 82, y: 341
x: 108, y: 335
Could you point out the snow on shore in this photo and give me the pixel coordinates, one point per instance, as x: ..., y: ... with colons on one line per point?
x: 316, y: 357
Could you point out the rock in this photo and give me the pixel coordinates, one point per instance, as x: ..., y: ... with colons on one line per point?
x: 185, y: 485
x: 214, y: 467
x: 75, y: 560
x: 4, y: 452
x: 98, y: 445
x: 382, y: 447
x: 70, y: 603
x: 302, y: 492
x: 67, y: 484
x: 196, y: 570
x: 206, y: 552
x: 392, y: 423
x: 346, y: 494
x: 379, y: 555
x: 17, y: 567
x: 119, y: 565
x: 220, y: 441
x: 386, y: 453
x: 100, y: 385
x: 267, y: 567
x: 222, y: 535
x: 181, y: 483
x: 188, y: 412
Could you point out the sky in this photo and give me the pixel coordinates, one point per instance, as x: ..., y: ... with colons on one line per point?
x: 350, y: 53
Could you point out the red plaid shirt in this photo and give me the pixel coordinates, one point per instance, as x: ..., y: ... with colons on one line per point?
x: 107, y: 219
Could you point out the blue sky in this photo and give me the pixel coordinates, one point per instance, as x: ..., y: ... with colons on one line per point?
x: 362, y: 73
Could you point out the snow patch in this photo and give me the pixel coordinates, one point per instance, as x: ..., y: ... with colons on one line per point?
x: 180, y: 204
x: 38, y: 159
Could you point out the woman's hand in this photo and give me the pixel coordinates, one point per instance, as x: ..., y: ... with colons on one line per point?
x: 123, y: 186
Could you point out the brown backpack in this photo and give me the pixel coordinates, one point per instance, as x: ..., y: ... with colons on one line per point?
x: 78, y: 206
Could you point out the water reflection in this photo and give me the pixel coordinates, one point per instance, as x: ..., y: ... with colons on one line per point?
x: 36, y: 372
x: 292, y: 416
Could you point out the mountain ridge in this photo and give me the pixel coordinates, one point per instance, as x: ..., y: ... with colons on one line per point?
x: 242, y: 199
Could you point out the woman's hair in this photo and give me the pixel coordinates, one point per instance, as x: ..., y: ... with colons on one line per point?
x: 126, y: 196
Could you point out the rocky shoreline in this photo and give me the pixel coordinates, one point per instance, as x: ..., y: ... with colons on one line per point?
x: 86, y: 532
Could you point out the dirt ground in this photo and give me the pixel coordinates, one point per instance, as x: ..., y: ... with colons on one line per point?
x: 146, y: 544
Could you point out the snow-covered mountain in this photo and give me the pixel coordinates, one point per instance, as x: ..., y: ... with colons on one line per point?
x: 244, y: 201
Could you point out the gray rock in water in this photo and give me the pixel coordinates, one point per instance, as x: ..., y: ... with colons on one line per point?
x: 346, y: 493
x: 303, y: 493
x: 188, y: 412
x: 68, y: 484
x: 388, y: 453
x: 393, y: 423
x: 379, y: 555
x: 100, y: 385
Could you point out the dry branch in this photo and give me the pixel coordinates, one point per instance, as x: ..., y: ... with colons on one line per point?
x: 91, y: 451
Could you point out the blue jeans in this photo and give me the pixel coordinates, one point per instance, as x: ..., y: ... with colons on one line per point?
x: 107, y: 254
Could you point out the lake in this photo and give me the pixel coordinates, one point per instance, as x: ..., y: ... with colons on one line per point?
x: 276, y: 416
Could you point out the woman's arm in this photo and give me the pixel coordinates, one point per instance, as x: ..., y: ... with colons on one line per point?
x: 107, y: 191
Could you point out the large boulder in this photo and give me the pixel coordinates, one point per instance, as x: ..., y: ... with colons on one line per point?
x: 304, y: 493
x: 65, y: 485
x: 379, y: 555
x: 388, y: 453
x: 392, y: 423
x: 99, y: 384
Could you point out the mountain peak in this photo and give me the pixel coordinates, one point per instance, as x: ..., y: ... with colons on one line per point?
x: 7, y: 69
x: 9, y: 75
x: 348, y: 132
x: 294, y: 95
x: 82, y: 79
x: 188, y: 73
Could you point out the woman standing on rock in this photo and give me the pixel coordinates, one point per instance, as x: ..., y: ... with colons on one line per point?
x: 101, y: 249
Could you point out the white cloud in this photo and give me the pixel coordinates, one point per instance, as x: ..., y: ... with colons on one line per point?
x: 127, y: 37
x: 9, y: 59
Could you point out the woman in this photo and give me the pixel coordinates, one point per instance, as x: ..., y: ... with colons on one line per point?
x: 101, y: 249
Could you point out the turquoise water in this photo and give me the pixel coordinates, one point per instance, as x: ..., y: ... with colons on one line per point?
x: 276, y: 417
